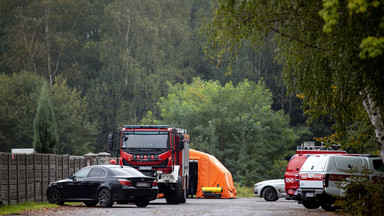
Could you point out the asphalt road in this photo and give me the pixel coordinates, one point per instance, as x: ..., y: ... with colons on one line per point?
x: 211, y: 207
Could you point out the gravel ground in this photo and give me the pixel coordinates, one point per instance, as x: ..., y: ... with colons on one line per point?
x: 212, y: 207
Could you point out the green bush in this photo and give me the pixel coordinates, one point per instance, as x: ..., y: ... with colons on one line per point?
x: 362, y: 196
x: 244, y: 191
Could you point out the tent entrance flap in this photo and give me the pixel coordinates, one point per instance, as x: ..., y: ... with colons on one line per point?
x: 193, y: 176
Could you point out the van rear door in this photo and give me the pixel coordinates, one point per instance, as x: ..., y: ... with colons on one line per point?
x: 311, y: 173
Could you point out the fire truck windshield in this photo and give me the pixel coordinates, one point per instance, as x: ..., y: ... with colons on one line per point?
x: 153, y: 140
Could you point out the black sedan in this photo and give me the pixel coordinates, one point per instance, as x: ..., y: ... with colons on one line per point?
x: 104, y: 184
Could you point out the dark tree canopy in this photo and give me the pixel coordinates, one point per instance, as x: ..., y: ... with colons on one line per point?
x: 331, y: 52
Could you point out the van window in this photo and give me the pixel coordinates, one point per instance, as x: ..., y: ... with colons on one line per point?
x: 348, y: 163
x: 378, y: 165
x: 314, y: 164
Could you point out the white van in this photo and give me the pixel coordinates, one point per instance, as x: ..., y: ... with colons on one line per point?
x: 320, y: 176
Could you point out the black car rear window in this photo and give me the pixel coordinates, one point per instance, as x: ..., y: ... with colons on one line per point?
x: 126, y: 171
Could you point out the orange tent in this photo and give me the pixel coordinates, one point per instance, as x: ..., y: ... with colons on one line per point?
x: 212, y: 173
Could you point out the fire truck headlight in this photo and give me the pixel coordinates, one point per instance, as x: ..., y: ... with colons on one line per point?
x: 141, y: 156
x: 156, y: 156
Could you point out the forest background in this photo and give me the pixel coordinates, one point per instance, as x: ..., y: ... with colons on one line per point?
x: 110, y: 63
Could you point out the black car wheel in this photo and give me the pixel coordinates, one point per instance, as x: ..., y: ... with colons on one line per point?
x: 142, y: 203
x: 270, y: 194
x: 311, y: 204
x: 90, y: 203
x: 54, y: 196
x: 105, y: 198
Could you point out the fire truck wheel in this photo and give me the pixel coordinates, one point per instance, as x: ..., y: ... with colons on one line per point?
x: 183, y: 199
x: 311, y: 204
x: 175, y: 196
x: 327, y: 203
x: 270, y: 194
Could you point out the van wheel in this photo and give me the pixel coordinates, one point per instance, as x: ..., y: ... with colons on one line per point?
x: 311, y: 204
x: 327, y: 203
x: 270, y: 194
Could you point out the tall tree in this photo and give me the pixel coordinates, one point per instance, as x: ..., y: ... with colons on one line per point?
x: 331, y: 51
x: 234, y: 123
x: 44, y: 125
x: 46, y: 37
x: 19, y: 95
x: 77, y: 133
x: 144, y: 44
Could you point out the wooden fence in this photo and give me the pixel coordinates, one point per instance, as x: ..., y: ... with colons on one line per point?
x: 25, y: 177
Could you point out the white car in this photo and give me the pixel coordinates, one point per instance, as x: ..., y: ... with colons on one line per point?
x: 270, y: 190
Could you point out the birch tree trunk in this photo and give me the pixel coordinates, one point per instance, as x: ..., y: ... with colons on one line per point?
x: 48, y: 42
x: 376, y: 119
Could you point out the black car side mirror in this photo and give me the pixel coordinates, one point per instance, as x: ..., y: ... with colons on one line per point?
x: 71, y: 177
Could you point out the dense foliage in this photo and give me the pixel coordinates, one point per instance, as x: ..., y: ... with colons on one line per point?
x: 234, y: 123
x: 116, y: 58
x: 331, y: 51
x: 362, y: 196
x: 19, y: 94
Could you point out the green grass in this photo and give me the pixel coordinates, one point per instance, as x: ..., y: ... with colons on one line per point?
x: 244, y: 191
x: 16, y: 209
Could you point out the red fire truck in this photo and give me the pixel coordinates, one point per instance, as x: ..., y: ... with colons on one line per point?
x: 159, y: 151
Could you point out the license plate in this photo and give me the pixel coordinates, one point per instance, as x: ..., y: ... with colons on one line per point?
x: 145, y: 168
x: 310, y: 195
x: 142, y: 184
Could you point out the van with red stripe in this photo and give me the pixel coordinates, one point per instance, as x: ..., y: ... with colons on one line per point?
x: 320, y: 176
x: 307, y: 149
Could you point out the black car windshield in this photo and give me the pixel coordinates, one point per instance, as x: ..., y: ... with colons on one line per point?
x: 126, y: 171
x: 145, y: 139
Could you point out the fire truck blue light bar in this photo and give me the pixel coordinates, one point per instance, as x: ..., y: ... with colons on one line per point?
x: 146, y: 126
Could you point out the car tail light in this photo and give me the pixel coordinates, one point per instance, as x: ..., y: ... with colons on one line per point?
x: 154, y: 183
x: 125, y: 182
x: 325, y: 180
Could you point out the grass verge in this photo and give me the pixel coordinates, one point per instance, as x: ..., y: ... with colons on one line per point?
x: 244, y: 191
x: 18, y: 208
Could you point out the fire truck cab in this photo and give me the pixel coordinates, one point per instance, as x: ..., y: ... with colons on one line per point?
x: 159, y: 151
